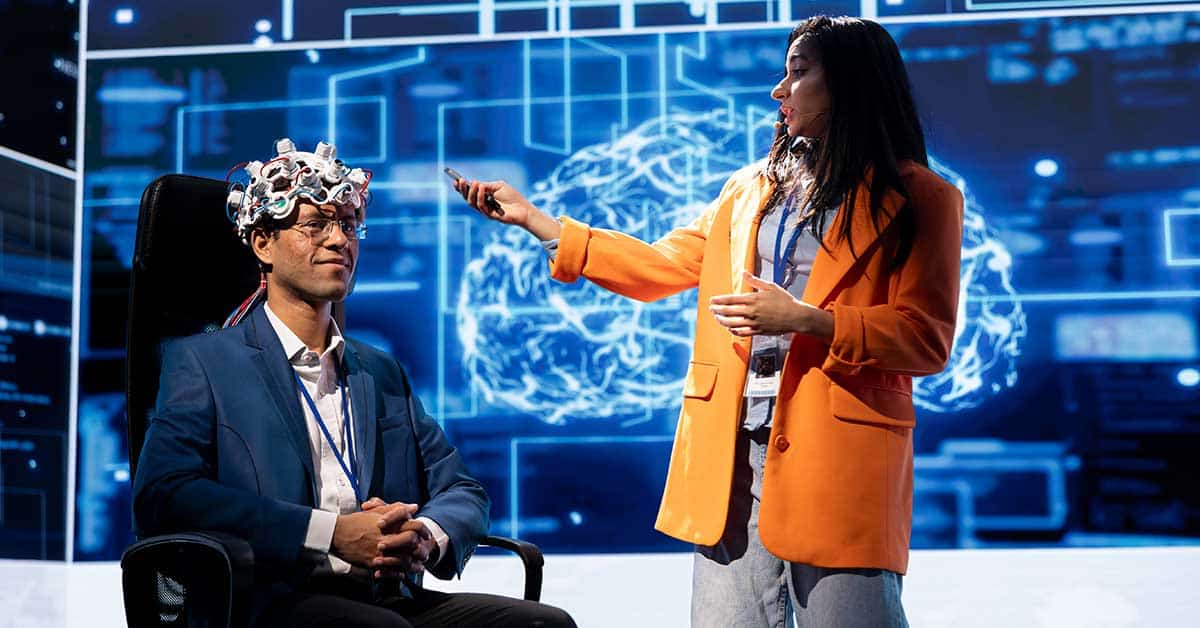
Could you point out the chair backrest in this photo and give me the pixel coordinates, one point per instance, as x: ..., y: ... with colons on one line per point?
x: 189, y: 272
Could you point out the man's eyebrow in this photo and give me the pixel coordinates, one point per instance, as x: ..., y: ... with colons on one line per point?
x: 798, y: 56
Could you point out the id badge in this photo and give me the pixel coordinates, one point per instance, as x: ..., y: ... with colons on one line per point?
x: 765, y: 364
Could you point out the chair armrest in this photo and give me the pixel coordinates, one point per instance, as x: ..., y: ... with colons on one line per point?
x: 187, y: 575
x: 236, y: 549
x: 531, y: 558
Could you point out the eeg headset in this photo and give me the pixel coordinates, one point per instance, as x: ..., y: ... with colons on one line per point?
x: 275, y: 187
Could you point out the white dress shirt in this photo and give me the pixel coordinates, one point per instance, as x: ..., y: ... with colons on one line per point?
x: 335, y: 494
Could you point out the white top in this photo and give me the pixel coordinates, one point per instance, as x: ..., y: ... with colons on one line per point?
x: 759, y: 411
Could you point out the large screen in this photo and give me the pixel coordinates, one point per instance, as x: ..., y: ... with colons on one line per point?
x: 37, y: 218
x: 1069, y: 412
x: 40, y: 51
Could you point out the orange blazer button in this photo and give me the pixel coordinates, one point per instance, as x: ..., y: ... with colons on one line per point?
x: 781, y: 443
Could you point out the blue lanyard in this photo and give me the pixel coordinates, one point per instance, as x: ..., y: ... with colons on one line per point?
x: 780, y: 268
x: 329, y: 439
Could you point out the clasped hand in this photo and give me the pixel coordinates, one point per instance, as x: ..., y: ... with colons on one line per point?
x: 768, y: 310
x: 384, y: 538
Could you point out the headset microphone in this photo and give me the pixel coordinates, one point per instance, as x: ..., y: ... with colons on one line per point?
x: 801, y: 116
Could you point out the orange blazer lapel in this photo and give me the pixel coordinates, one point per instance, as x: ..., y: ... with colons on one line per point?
x: 835, y: 259
x: 746, y: 238
x: 743, y: 241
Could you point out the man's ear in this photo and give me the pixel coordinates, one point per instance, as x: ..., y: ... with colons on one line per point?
x: 263, y: 245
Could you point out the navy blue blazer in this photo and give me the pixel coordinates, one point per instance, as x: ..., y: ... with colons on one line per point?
x: 227, y: 449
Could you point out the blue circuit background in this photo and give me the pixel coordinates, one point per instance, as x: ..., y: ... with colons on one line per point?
x: 1069, y: 414
x: 39, y: 50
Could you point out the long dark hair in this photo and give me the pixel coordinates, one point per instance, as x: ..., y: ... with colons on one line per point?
x: 873, y: 126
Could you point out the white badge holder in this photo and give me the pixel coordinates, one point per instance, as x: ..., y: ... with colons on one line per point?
x: 766, y: 362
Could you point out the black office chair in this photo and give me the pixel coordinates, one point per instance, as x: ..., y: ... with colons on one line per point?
x: 189, y: 272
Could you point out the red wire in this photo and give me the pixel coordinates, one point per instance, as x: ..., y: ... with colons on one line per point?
x: 230, y: 171
x: 240, y: 312
x: 264, y: 166
x: 363, y: 195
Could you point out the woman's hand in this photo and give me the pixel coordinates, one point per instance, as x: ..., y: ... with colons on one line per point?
x: 769, y: 310
x: 515, y: 209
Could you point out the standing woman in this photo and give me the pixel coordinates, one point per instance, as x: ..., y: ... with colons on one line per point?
x: 828, y: 277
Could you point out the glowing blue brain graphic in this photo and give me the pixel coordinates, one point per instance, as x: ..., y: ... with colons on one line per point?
x: 991, y: 323
x: 580, y: 352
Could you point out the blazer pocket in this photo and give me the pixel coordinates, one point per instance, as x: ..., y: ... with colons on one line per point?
x: 877, y: 406
x: 700, y: 381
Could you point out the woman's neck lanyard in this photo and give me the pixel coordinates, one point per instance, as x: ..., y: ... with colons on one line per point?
x: 783, y: 259
x: 347, y: 432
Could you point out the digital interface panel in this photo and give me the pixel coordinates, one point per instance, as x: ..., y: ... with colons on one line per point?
x: 37, y: 216
x: 1068, y: 413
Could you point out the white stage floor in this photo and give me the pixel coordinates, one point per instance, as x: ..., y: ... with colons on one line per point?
x: 1060, y: 588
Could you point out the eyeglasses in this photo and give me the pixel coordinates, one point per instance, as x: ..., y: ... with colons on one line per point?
x: 318, y: 229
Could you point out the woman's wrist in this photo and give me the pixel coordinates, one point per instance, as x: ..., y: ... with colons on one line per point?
x: 812, y: 321
x: 542, y: 226
x: 799, y: 317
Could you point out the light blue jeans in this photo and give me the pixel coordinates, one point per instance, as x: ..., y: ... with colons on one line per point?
x: 737, y: 583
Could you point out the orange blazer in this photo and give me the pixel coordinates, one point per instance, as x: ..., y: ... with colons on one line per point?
x: 837, y: 486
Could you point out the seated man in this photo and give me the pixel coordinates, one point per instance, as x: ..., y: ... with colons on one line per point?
x: 310, y: 445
